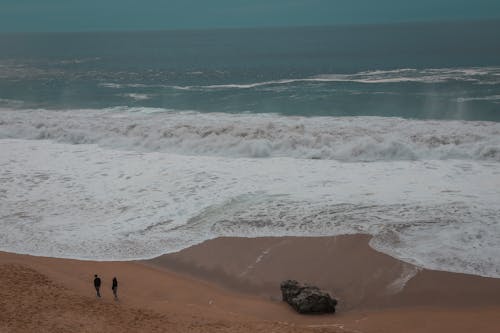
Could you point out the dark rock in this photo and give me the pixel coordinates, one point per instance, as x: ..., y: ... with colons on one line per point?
x: 307, y: 299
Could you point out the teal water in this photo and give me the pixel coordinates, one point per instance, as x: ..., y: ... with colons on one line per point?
x: 424, y: 71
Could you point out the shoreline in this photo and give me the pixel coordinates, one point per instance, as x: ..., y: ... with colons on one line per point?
x: 228, y: 284
x: 346, y: 266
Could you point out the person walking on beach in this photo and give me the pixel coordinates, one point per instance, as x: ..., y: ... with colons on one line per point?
x: 114, y: 287
x: 97, y: 284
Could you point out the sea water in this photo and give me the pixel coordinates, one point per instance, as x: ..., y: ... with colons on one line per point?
x: 128, y: 145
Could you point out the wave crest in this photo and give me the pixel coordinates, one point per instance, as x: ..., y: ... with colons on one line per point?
x: 348, y: 139
x: 478, y: 75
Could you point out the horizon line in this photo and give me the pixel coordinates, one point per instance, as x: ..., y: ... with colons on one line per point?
x: 277, y: 27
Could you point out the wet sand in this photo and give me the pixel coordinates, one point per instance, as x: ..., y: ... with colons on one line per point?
x: 232, y: 285
x: 346, y: 266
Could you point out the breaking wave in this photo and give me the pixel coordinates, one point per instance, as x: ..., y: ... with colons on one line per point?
x: 347, y: 139
x: 475, y: 75
x: 479, y: 75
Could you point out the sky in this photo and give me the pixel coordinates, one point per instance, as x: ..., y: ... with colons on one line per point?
x: 98, y: 15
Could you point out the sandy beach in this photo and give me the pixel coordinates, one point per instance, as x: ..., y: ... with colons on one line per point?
x: 198, y: 156
x: 232, y: 285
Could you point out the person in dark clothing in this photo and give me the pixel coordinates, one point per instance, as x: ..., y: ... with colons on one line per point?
x: 97, y: 284
x: 114, y: 287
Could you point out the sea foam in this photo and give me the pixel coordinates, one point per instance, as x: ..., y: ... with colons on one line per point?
x: 86, y: 202
x: 348, y: 139
x: 477, y: 75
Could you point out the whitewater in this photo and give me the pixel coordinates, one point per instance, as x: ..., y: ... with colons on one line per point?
x: 347, y: 139
x: 131, y: 183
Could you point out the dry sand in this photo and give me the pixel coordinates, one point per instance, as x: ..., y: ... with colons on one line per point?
x: 232, y: 285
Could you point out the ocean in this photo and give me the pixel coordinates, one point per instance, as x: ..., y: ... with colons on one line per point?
x: 128, y: 145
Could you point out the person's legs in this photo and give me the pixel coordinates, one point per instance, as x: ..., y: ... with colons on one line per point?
x: 115, y: 292
x: 98, y: 293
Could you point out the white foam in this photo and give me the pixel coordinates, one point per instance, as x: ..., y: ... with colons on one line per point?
x: 78, y: 61
x: 429, y: 75
x: 111, y: 85
x: 482, y: 98
x: 480, y: 75
x: 83, y: 201
x: 348, y: 139
x: 137, y: 97
x: 476, y: 75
